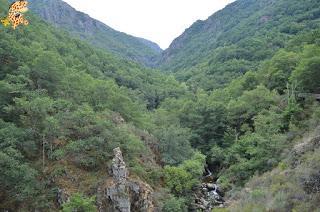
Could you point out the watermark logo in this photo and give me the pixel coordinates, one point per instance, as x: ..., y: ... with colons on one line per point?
x: 15, y: 15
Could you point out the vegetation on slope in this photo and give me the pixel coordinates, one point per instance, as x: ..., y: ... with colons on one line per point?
x: 292, y: 186
x: 62, y: 15
x: 65, y: 105
x: 237, y: 39
x: 244, y: 127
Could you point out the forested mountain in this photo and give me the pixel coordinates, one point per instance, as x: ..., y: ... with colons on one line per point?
x: 60, y: 14
x: 239, y: 132
x: 236, y: 39
x: 64, y: 106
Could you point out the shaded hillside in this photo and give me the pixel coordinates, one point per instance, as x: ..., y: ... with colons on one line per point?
x: 95, y: 32
x: 236, y: 39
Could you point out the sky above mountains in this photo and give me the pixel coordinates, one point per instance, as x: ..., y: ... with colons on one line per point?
x: 160, y: 21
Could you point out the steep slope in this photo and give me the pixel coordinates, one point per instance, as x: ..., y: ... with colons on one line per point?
x: 64, y: 106
x: 236, y: 39
x: 95, y: 32
x: 293, y: 186
x: 248, y: 127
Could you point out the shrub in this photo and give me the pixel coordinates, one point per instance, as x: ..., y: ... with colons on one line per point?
x: 174, y: 205
x: 80, y: 204
x: 182, y: 178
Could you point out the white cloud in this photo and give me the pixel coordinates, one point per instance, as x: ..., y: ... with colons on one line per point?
x: 157, y: 20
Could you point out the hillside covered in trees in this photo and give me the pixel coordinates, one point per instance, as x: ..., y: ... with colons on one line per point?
x: 241, y: 109
x: 60, y: 14
x: 236, y: 39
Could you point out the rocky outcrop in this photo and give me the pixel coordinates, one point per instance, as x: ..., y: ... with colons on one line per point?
x: 124, y: 194
x: 300, y: 149
x: 141, y: 196
x: 208, y: 196
x: 119, y: 192
x: 117, y: 119
x: 62, y: 197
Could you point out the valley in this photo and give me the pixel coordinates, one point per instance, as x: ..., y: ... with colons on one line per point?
x: 226, y: 119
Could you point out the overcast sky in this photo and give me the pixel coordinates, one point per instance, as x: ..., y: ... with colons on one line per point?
x: 160, y: 21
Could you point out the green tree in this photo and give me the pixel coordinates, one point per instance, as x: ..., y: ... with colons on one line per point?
x: 258, y: 151
x: 242, y: 110
x: 174, y: 144
x: 182, y: 178
x: 279, y: 69
x: 16, y: 175
x: 174, y: 204
x: 307, y: 72
x: 47, y: 70
x: 79, y: 203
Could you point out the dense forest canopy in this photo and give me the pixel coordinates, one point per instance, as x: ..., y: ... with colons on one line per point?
x: 232, y: 107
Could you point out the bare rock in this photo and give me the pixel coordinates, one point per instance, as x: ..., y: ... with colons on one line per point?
x: 125, y: 194
x: 62, y: 197
x: 118, y: 194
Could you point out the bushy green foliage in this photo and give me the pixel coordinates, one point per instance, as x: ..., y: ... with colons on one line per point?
x: 279, y: 69
x: 174, y: 205
x: 16, y: 173
x: 307, y: 71
x: 181, y: 179
x: 79, y: 203
x: 16, y: 176
x: 174, y: 144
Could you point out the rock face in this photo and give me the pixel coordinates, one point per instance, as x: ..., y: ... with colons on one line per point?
x: 124, y: 194
x: 119, y: 192
x: 62, y: 197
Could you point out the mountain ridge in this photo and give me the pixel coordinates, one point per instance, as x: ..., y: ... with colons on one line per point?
x: 63, y: 15
x: 232, y: 41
